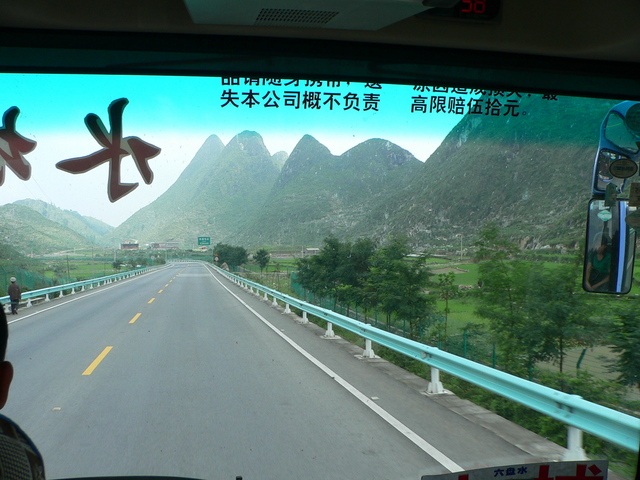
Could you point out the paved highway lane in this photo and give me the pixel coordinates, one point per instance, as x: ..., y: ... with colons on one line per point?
x: 171, y: 374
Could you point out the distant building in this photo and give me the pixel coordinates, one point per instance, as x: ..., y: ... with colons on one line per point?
x: 310, y: 251
x: 129, y: 245
x: 164, y: 245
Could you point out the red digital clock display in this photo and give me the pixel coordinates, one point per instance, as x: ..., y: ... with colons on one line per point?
x: 479, y: 10
x: 476, y: 7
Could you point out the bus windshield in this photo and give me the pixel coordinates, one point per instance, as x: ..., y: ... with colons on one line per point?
x: 292, y: 278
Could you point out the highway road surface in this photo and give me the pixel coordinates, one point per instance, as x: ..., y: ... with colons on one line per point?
x: 181, y: 373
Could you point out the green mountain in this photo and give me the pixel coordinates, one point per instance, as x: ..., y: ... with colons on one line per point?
x: 279, y: 159
x: 216, y: 193
x: 29, y: 232
x: 318, y: 194
x: 11, y: 256
x: 89, y: 227
x: 530, y: 174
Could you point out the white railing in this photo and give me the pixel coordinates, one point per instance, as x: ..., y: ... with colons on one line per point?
x: 46, y: 294
x: 578, y: 414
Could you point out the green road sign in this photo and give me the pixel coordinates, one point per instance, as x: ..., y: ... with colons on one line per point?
x: 204, y: 240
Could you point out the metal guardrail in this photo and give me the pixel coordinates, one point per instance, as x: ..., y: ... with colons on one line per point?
x: 81, y: 286
x: 610, y: 425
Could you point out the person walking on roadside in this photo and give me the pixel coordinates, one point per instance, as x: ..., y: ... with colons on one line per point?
x: 15, y: 294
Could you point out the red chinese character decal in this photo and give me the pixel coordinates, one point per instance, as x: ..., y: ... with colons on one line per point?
x: 115, y: 148
x: 581, y: 473
x: 13, y: 146
x: 544, y: 473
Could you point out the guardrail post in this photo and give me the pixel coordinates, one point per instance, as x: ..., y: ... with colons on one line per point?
x: 286, y: 308
x: 73, y: 290
x: 61, y: 294
x: 435, y: 385
x: 368, y: 351
x: 82, y: 289
x: 46, y: 298
x: 91, y: 286
x: 29, y: 304
x: 574, y: 452
x: 329, y: 333
x: 305, y: 319
x: 274, y: 303
x: 265, y: 296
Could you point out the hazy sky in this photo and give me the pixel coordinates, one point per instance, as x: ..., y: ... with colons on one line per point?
x: 177, y: 114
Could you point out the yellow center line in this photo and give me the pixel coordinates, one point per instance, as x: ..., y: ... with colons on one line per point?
x: 160, y: 291
x: 133, y: 320
x: 151, y: 301
x: 97, y: 361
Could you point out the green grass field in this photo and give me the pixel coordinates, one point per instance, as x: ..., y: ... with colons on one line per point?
x: 461, y: 313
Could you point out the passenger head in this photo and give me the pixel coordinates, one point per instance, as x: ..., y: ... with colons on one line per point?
x: 19, y: 457
x: 6, y: 369
x: 4, y: 334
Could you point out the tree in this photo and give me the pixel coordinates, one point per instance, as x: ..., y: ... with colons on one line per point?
x: 492, y: 246
x: 143, y: 261
x: 558, y: 315
x: 321, y: 273
x: 397, y: 285
x: 535, y: 314
x: 355, y: 268
x: 262, y: 257
x: 503, y: 285
x: 625, y: 341
x: 447, y: 290
x: 382, y: 278
x: 231, y: 255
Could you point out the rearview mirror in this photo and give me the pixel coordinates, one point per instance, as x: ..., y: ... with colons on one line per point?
x: 610, y: 248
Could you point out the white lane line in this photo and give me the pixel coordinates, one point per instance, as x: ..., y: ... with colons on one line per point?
x: 421, y: 443
x: 86, y: 295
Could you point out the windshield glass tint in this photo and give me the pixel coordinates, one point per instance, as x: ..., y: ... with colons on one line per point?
x: 451, y: 217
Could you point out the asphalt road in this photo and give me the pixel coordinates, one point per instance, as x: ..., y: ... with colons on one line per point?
x: 181, y: 373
